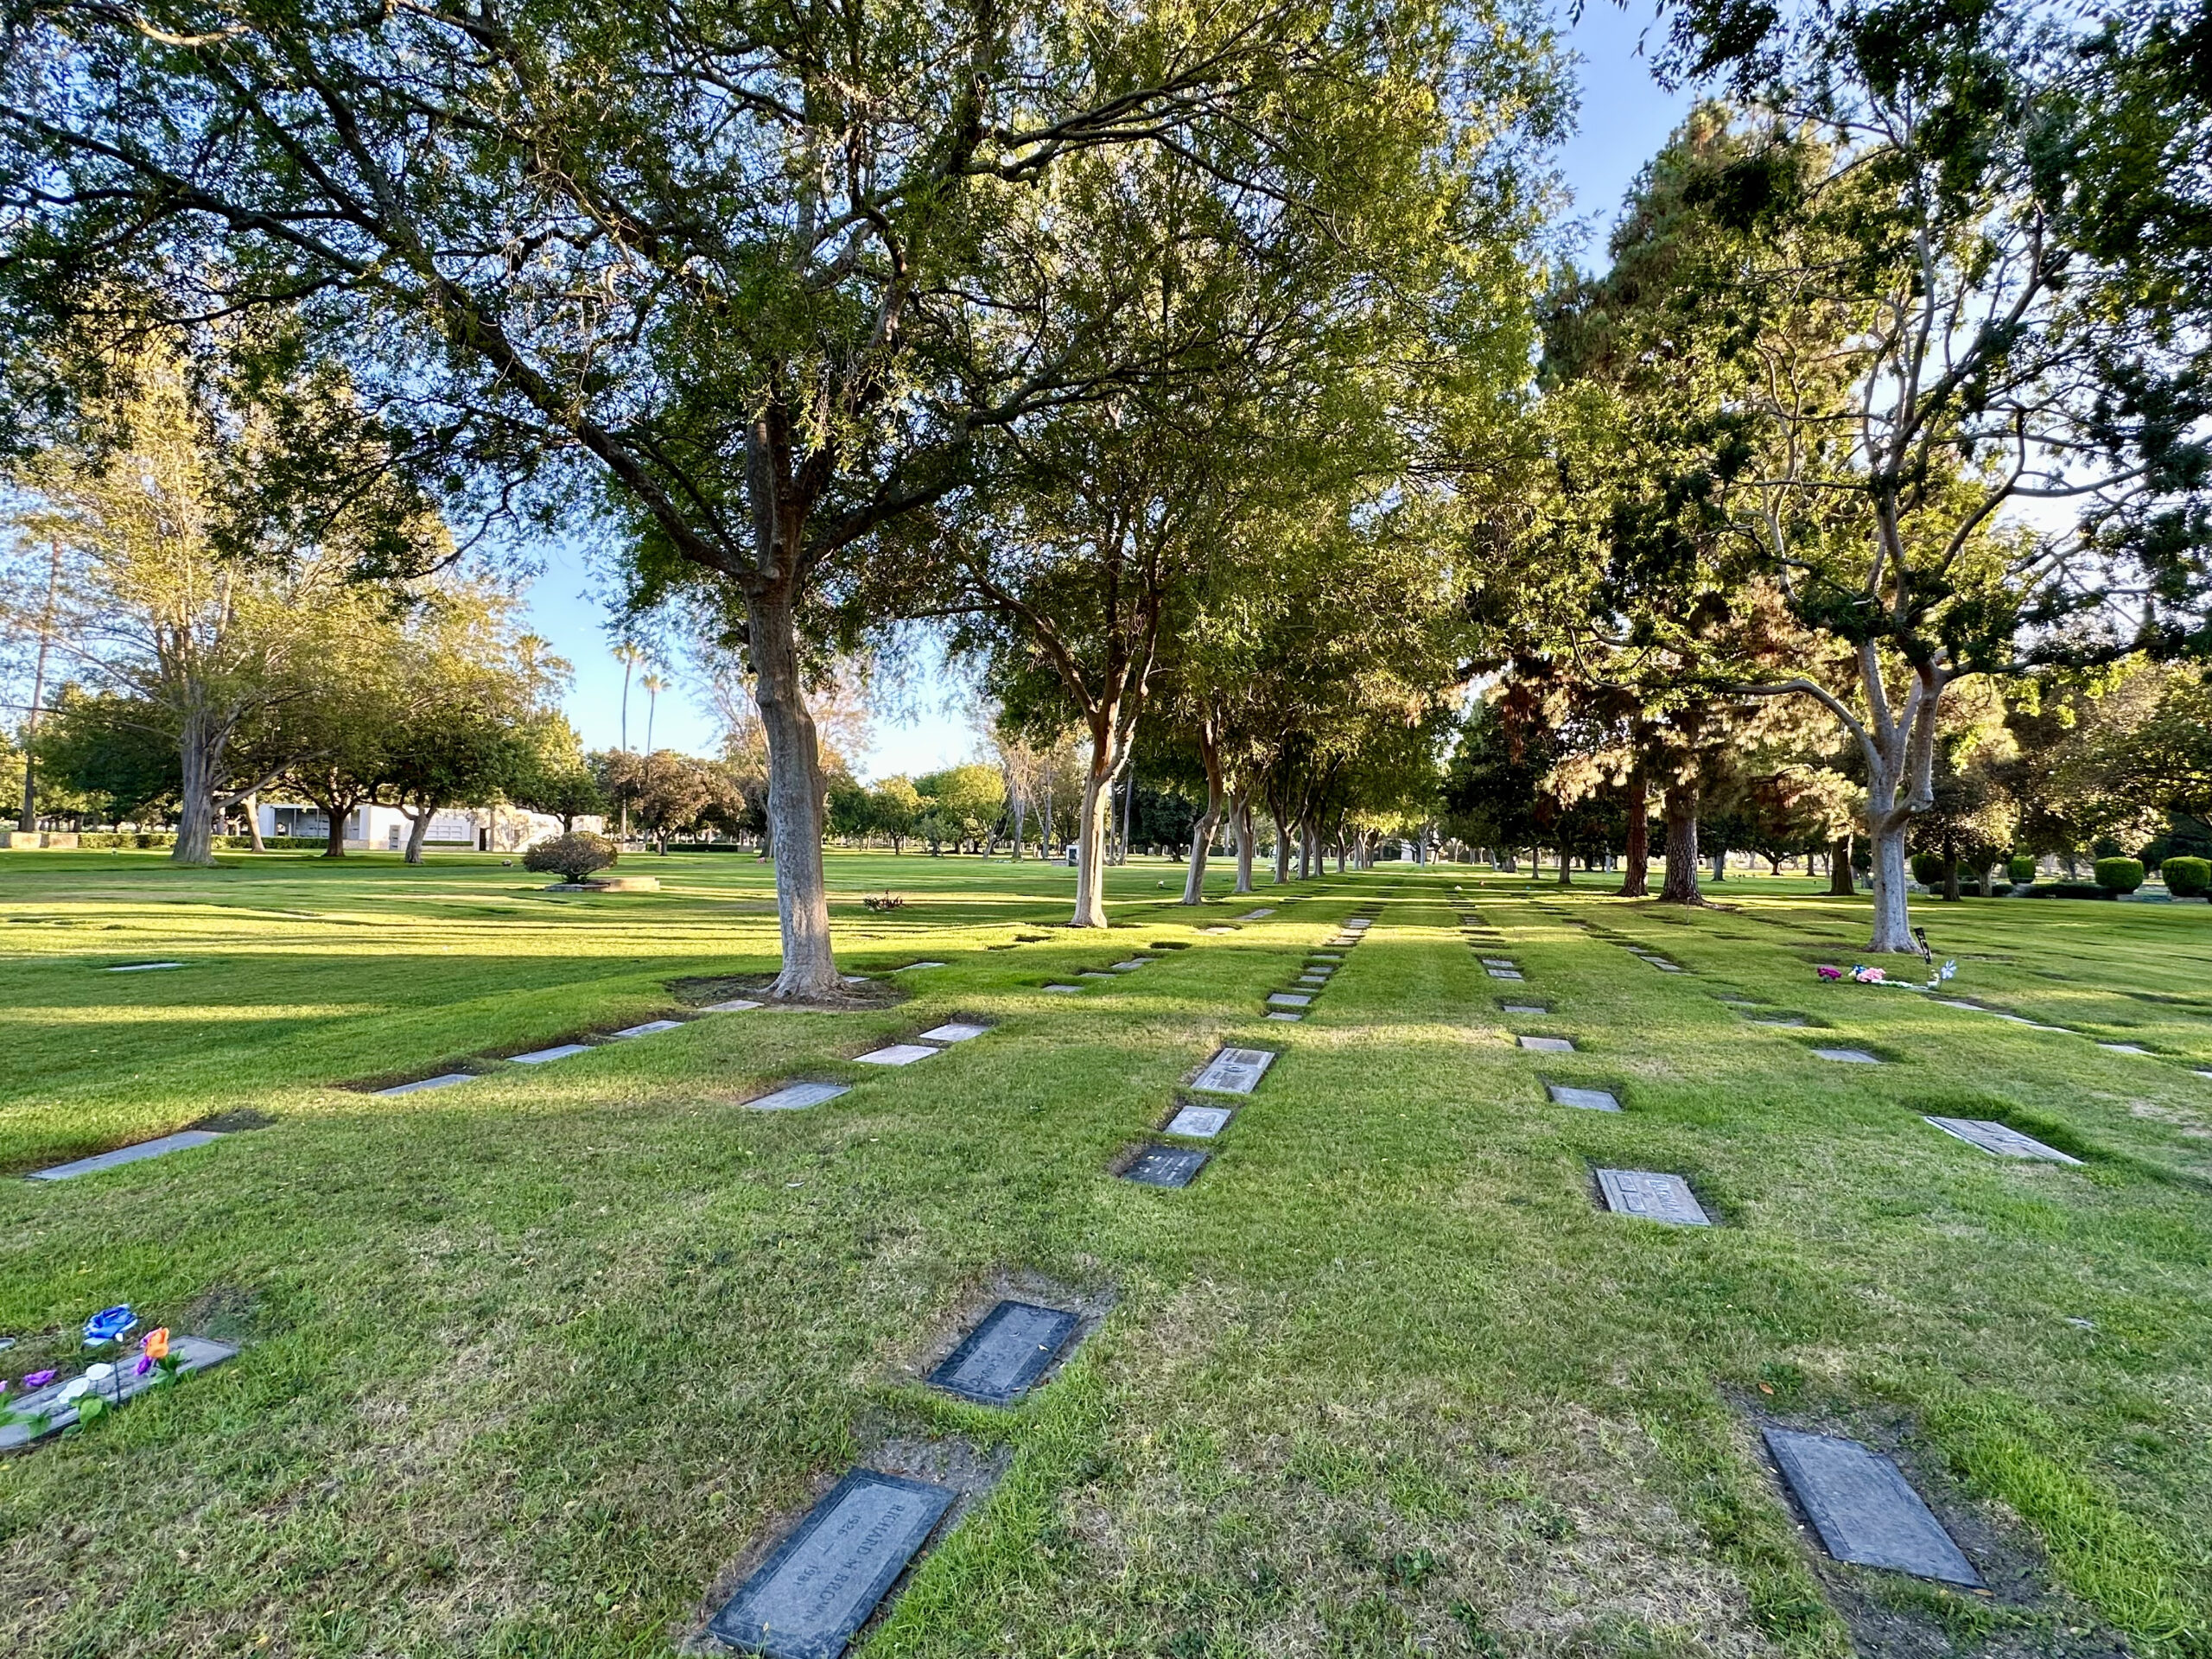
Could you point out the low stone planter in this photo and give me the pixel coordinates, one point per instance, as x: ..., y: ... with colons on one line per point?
x: 610, y: 884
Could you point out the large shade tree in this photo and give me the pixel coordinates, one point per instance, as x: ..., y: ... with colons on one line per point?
x: 756, y: 278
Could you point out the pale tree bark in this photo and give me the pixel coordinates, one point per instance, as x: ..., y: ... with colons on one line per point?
x: 253, y: 820
x: 795, y: 794
x: 200, y: 755
x: 1090, y: 839
x: 1282, y: 851
x: 1194, y: 879
x: 418, y: 829
x: 1679, y: 809
x: 1636, y: 879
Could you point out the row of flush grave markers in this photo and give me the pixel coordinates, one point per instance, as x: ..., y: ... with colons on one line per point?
x: 1860, y: 1502
x: 822, y: 1583
x: 1667, y: 1198
x: 1791, y: 1020
x: 791, y: 1097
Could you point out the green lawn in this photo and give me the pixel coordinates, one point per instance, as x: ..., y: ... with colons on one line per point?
x: 534, y: 1363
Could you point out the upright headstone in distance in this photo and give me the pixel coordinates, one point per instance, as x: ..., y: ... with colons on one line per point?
x: 1653, y: 1195
x: 809, y: 1599
x: 1003, y: 1358
x: 1864, y: 1509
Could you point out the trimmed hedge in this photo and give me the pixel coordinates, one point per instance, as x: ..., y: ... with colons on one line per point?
x: 2120, y: 875
x: 1928, y: 869
x: 576, y: 856
x: 2188, y: 878
x: 2022, y: 868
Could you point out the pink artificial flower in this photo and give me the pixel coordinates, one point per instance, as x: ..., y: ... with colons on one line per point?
x: 38, y: 1379
x: 1829, y: 973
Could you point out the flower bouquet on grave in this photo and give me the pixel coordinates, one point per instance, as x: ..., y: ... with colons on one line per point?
x: 887, y: 901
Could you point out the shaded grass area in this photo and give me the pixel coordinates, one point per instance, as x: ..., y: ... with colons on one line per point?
x: 534, y: 1361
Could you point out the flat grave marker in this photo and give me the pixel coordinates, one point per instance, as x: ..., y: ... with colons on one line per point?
x: 191, y: 1353
x: 649, y: 1028
x: 1217, y: 928
x: 1235, y: 1071
x: 914, y: 966
x: 1589, y: 1100
x: 735, y: 1005
x: 897, y: 1054
x: 1200, y: 1123
x: 1166, y: 1167
x: 1864, y: 1509
x: 2125, y: 1048
x: 808, y: 1599
x: 544, y: 1056
x: 1290, y: 999
x: 143, y: 967
x: 1849, y: 1056
x: 2000, y: 1139
x: 1131, y: 965
x: 444, y: 1080
x: 121, y: 1155
x: 1096, y: 973
x: 953, y: 1031
x: 1003, y: 1358
x: 1549, y: 1045
x: 1062, y: 989
x: 1523, y: 1007
x: 1256, y: 915
x: 1653, y: 1195
x: 1503, y: 973
x: 1328, y: 955
x: 793, y: 1096
x: 1497, y: 961
x: 1283, y: 1014
x: 1778, y: 1019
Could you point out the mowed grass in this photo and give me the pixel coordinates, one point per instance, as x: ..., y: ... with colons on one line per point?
x: 534, y: 1363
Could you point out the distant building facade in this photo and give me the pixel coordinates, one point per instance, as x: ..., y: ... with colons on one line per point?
x: 452, y: 829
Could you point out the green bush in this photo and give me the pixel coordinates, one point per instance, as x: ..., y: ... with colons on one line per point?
x: 2120, y: 875
x: 1928, y: 869
x: 574, y: 856
x: 2188, y: 877
x: 2022, y: 868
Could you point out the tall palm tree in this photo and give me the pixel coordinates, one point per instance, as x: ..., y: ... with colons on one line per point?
x: 629, y: 656
x: 652, y: 683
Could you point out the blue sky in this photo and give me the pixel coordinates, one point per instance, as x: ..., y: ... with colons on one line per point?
x: 1625, y: 118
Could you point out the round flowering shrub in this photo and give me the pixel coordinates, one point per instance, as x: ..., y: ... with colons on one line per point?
x: 574, y: 856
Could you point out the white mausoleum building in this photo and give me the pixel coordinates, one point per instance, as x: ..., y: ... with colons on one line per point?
x: 453, y: 830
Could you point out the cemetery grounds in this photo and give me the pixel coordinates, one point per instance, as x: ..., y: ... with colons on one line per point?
x: 539, y: 1364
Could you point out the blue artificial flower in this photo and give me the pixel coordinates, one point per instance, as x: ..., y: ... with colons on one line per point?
x: 109, y: 1323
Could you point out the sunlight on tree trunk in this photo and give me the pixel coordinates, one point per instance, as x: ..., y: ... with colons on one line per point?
x: 1680, y: 813
x: 795, y: 803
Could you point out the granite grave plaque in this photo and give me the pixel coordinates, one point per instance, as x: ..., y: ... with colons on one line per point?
x: 1096, y: 973
x: 2125, y: 1048
x: 912, y: 966
x: 1062, y: 989
x: 1290, y: 999
x: 1200, y: 1123
x: 122, y: 1155
x: 650, y: 1028
x: 1328, y: 955
x: 1852, y: 1056
x: 1592, y: 1100
x: 1864, y: 1509
x: 953, y: 1031
x: 735, y: 1005
x: 2003, y: 1142
x: 899, y: 1054
x: 791, y: 1097
x: 143, y: 967
x: 1653, y: 1195
x: 1549, y: 1045
x: 1497, y: 961
x: 1523, y: 1007
x: 1131, y: 965
x: 1003, y: 1358
x: 1283, y: 1014
x: 1235, y: 1071
x: 558, y: 1052
x: 810, y: 1596
x: 444, y: 1081
x: 1166, y: 1167
x: 1256, y: 915
x: 1503, y: 973
x: 191, y: 1353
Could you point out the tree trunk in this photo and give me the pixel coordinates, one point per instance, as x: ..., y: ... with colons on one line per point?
x: 1679, y: 810
x: 1282, y: 850
x: 200, y: 752
x: 1241, y: 822
x: 1565, y: 879
x: 419, y: 827
x: 1020, y: 817
x: 253, y: 821
x: 794, y: 828
x: 1950, y: 870
x: 1841, y: 885
x: 1893, y: 919
x: 1090, y: 834
x: 1636, y: 881
x: 1720, y: 863
x: 1194, y: 879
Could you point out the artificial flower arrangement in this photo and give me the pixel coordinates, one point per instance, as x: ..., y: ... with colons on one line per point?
x: 1859, y: 974
x: 102, y: 1387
